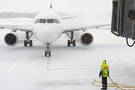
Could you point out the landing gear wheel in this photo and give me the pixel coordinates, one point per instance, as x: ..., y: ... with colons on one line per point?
x: 74, y: 43
x: 71, y: 42
x: 28, y: 41
x: 25, y: 43
x: 31, y: 43
x: 68, y: 42
x: 47, y: 54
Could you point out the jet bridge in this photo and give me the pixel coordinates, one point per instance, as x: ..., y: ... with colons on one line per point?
x: 123, y: 19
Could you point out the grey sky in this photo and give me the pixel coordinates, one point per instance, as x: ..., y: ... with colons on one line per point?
x: 58, y: 5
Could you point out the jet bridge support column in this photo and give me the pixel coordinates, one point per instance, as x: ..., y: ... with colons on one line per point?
x: 123, y: 19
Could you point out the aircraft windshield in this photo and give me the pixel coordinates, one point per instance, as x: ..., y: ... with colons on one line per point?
x: 36, y: 21
x: 47, y: 21
x: 42, y: 21
x: 56, y: 21
x: 50, y: 20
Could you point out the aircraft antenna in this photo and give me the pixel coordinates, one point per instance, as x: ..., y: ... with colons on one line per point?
x: 50, y: 4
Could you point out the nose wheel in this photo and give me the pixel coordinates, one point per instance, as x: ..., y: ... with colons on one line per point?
x: 48, y: 50
x: 47, y: 53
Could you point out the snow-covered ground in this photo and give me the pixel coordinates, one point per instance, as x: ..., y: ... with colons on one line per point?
x: 69, y: 68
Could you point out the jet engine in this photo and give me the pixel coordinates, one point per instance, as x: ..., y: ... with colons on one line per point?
x: 84, y: 38
x: 11, y: 39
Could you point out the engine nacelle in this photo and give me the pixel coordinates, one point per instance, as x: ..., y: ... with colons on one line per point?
x: 84, y: 38
x: 11, y: 39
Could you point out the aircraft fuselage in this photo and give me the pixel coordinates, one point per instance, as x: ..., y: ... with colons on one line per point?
x: 47, y: 26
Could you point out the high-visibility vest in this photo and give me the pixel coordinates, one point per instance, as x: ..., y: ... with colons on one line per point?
x: 104, y: 69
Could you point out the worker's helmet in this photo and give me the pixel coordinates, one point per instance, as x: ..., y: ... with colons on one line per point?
x: 104, y: 62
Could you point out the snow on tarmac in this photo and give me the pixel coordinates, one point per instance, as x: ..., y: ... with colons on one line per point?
x: 69, y: 68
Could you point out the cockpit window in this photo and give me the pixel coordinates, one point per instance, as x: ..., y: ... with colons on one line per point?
x: 50, y: 20
x: 42, y: 21
x: 53, y: 21
x: 47, y: 21
x: 36, y: 21
x: 56, y: 21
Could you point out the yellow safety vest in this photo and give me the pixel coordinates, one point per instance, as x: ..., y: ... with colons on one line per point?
x: 104, y: 69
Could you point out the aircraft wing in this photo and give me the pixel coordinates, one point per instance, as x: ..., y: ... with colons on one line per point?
x: 83, y: 27
x: 17, y: 25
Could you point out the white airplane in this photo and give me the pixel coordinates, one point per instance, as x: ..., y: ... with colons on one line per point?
x: 47, y: 28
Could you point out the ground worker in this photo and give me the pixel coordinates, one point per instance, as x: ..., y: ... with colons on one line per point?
x: 104, y: 72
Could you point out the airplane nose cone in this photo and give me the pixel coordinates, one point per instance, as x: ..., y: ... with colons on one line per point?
x: 47, y: 33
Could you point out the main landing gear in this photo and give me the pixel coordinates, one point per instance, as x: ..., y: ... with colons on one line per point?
x: 28, y: 41
x: 48, y: 50
x: 71, y: 41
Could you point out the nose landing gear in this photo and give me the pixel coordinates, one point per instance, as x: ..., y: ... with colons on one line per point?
x: 48, y: 50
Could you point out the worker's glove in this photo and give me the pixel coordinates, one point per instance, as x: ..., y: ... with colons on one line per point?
x: 100, y: 74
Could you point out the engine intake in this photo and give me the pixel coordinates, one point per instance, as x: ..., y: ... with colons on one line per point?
x: 11, y: 39
x: 86, y: 39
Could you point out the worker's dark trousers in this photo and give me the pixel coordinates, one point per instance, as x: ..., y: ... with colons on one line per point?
x: 104, y: 82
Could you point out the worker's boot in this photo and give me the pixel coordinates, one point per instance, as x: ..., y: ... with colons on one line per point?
x: 104, y: 87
